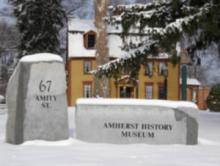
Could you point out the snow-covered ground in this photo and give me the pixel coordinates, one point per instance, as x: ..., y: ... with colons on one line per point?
x: 74, y: 152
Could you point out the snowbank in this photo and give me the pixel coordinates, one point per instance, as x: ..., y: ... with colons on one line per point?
x: 74, y: 152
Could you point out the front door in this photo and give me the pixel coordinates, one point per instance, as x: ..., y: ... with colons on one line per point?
x: 126, y: 92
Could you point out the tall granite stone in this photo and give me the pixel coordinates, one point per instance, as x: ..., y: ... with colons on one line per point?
x: 131, y: 121
x: 36, y: 100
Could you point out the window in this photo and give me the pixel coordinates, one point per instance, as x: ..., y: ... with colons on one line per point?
x: 162, y: 91
x: 194, y: 95
x: 127, y: 92
x: 149, y: 69
x: 87, y: 66
x: 87, y: 90
x: 149, y: 91
x: 163, y: 69
x: 90, y: 40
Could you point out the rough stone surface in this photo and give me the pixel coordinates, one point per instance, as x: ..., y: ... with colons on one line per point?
x: 37, y: 105
x: 135, y: 124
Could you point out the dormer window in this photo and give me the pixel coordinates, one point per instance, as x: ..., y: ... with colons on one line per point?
x: 90, y: 40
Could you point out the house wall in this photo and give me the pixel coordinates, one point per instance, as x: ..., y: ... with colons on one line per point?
x: 202, y: 94
x: 76, y: 79
x: 156, y: 80
x: 202, y: 97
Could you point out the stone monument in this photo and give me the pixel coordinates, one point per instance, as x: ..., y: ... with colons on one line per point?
x: 127, y: 121
x: 36, y: 100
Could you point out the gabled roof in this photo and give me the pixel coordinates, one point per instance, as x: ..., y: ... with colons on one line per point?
x: 79, y: 25
x: 76, y: 49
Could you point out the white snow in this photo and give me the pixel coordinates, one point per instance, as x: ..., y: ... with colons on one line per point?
x: 82, y: 25
x: 76, y: 46
x: 143, y: 102
x: 115, y: 45
x: 192, y: 81
x: 2, y: 98
x: 74, y: 152
x: 41, y: 57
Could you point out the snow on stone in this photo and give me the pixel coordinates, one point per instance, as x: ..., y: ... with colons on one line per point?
x: 141, y: 102
x: 192, y: 81
x: 41, y: 57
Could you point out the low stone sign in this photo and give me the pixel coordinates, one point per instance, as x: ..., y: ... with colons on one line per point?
x: 135, y: 121
x: 36, y: 99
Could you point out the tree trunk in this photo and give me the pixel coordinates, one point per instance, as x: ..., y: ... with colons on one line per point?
x: 101, y: 85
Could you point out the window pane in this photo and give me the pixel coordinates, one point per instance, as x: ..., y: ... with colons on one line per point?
x: 91, y: 41
x: 87, y: 66
x: 162, y: 92
x: 87, y: 90
x: 149, y: 91
x: 162, y: 69
x: 194, y: 96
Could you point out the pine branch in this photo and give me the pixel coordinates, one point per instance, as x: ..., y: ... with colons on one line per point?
x: 157, y: 36
x: 139, y: 7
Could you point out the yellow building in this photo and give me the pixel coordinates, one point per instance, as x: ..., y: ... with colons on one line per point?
x: 158, y: 79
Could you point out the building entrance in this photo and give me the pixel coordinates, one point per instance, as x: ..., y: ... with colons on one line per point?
x: 126, y: 92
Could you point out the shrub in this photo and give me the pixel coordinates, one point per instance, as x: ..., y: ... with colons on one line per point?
x: 213, y: 100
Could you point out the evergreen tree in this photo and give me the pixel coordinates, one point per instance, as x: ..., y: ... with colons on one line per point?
x: 39, y: 23
x: 213, y: 100
x: 162, y: 23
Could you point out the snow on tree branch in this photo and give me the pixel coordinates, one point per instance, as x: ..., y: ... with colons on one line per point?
x: 157, y: 37
x: 139, y: 7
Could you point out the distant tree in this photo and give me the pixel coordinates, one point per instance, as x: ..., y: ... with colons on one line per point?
x: 8, y: 45
x: 8, y: 37
x: 118, y: 2
x: 39, y: 23
x: 163, y: 23
x: 213, y: 100
x: 73, y: 7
